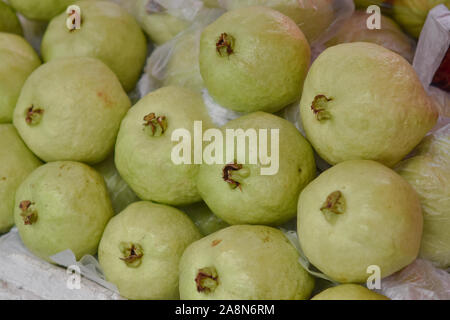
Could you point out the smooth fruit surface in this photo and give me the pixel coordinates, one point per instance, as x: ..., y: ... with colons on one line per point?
x: 243, y: 263
x: 141, y: 248
x: 43, y: 10
x: 383, y: 117
x: 349, y: 292
x: 62, y: 205
x: 358, y: 214
x: 71, y: 109
x: 8, y: 20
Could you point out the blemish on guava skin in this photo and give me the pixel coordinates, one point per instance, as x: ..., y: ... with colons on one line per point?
x: 153, y: 7
x: 33, y: 115
x: 155, y: 126
x: 225, y: 45
x: 215, y: 242
x: 29, y: 213
x: 207, y: 280
x: 319, y: 107
x: 3, y: 178
x: 232, y: 172
x: 335, y: 203
x: 132, y: 254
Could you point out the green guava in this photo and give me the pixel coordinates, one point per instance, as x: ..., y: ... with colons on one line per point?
x: 17, y: 62
x: 120, y: 193
x: 254, y: 58
x: 43, y: 10
x: 349, y: 292
x: 359, y: 214
x: 143, y: 153
x: 411, y: 14
x: 8, y: 20
x: 71, y: 109
x: 107, y: 32
x: 62, y: 205
x: 384, y: 115
x: 389, y: 36
x: 212, y: 3
x: 17, y: 163
x: 243, y: 263
x: 206, y: 221
x: 313, y: 17
x: 239, y: 194
x: 141, y: 248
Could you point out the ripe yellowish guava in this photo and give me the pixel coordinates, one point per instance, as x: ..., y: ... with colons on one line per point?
x: 17, y: 61
x: 43, y: 10
x: 411, y: 14
x: 107, y: 32
x: 239, y: 194
x: 243, y: 263
x: 359, y: 214
x: 17, y: 163
x: 312, y: 16
x: 378, y: 110
x: 143, y: 153
x: 206, y: 221
x: 141, y: 248
x: 62, y: 205
x: 389, y: 36
x: 8, y: 20
x: 349, y: 292
x: 71, y: 109
x: 254, y: 59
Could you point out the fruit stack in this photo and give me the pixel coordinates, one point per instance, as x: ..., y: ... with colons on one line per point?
x: 176, y: 207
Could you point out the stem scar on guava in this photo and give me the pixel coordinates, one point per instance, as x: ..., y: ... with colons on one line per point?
x: 132, y: 254
x: 207, y: 280
x: 155, y: 126
x: 33, y: 116
x: 29, y: 213
x: 227, y: 174
x: 225, y: 45
x: 335, y: 203
x: 319, y: 107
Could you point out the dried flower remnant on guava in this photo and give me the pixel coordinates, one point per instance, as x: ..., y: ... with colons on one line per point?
x: 155, y: 126
x: 132, y: 254
x: 225, y: 45
x: 319, y: 107
x: 334, y: 204
x: 33, y: 116
x: 29, y: 213
x: 234, y: 180
x: 207, y: 280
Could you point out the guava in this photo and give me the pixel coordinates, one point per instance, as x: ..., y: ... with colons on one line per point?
x: 107, y: 32
x: 239, y: 193
x: 71, y: 109
x: 206, y: 221
x: 43, y: 10
x: 356, y: 215
x: 143, y: 153
x: 411, y: 14
x: 141, y: 248
x: 313, y: 16
x: 378, y: 110
x: 389, y: 36
x: 212, y: 3
x: 17, y: 62
x: 17, y: 163
x: 254, y: 59
x: 349, y: 292
x: 243, y: 263
x: 120, y: 193
x: 62, y: 205
x: 8, y: 20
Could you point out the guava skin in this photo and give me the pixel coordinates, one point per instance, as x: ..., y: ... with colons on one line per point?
x: 378, y: 222
x: 8, y: 20
x: 382, y: 118
x: 248, y: 71
x: 161, y: 233
x: 313, y: 17
x: 411, y: 14
x: 107, y: 33
x: 17, y: 163
x: 70, y: 207
x: 349, y: 292
x: 144, y: 161
x: 71, y: 109
x: 17, y: 61
x: 43, y: 10
x: 249, y: 203
x: 248, y: 262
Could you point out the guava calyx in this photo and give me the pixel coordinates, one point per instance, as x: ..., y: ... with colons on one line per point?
x: 153, y: 7
x: 33, y: 116
x: 29, y: 213
x: 155, y: 126
x: 207, y: 280
x: 132, y: 254
x: 225, y: 45
x: 334, y: 204
x: 234, y: 174
x: 319, y: 107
